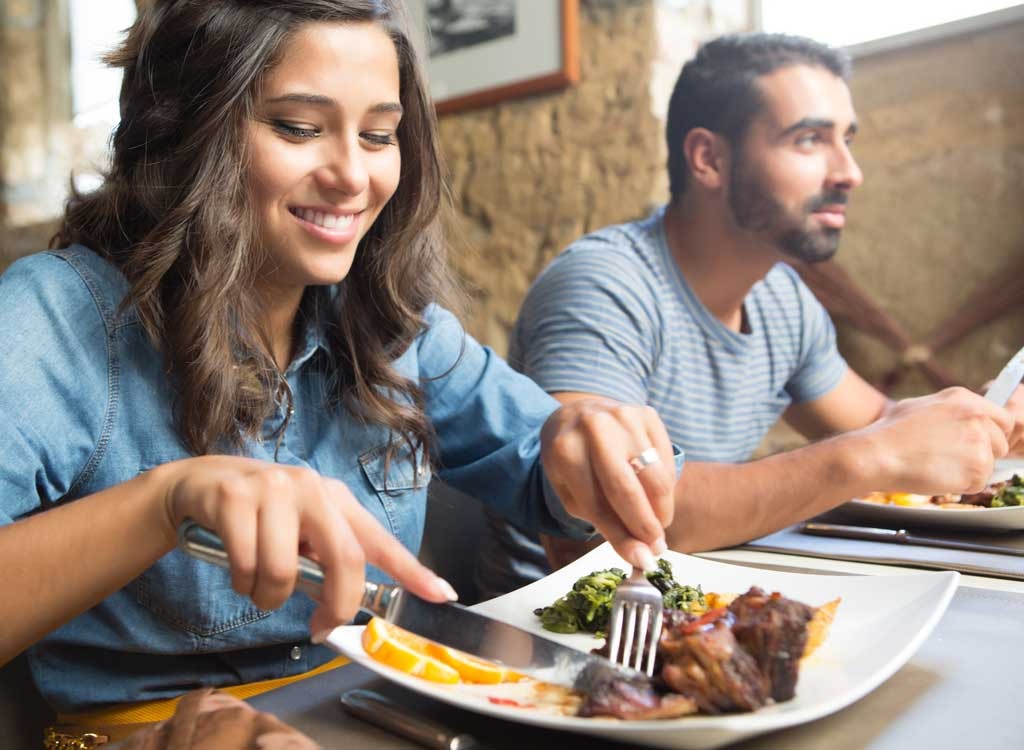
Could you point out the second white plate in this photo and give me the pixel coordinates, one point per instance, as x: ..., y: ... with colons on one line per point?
x: 967, y: 519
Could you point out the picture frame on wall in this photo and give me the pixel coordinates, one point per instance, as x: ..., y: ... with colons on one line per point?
x: 481, y: 52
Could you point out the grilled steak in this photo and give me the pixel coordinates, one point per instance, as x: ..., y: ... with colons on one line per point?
x: 703, y: 661
x: 773, y: 629
x: 630, y: 699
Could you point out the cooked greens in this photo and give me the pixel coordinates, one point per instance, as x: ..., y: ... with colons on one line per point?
x: 1010, y: 494
x: 673, y: 593
x: 588, y: 606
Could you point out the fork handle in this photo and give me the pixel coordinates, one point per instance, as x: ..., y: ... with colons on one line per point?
x: 202, y: 543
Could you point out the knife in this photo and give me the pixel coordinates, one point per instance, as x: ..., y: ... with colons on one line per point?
x: 901, y: 536
x: 1007, y: 380
x: 452, y: 625
x: 378, y: 710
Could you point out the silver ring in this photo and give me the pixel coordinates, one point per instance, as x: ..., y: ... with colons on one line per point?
x: 648, y: 458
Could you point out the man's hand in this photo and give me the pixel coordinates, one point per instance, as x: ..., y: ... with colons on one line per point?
x: 946, y: 442
x: 586, y: 448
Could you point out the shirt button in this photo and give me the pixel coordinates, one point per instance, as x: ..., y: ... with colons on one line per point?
x: 296, y: 653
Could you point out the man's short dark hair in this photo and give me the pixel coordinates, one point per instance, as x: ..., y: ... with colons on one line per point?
x: 718, y: 89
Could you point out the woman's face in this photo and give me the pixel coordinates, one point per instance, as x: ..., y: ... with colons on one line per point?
x: 324, y: 150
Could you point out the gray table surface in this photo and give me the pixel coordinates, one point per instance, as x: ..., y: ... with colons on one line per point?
x: 961, y: 689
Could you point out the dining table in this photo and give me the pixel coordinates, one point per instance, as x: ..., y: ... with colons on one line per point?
x: 959, y: 689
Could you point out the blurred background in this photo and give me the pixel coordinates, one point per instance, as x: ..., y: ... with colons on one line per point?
x: 933, y: 255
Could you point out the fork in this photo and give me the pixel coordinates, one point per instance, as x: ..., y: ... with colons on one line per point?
x: 636, y: 615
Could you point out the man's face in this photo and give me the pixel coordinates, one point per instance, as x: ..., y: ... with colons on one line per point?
x: 792, y: 174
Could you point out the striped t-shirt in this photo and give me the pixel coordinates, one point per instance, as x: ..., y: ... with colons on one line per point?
x: 613, y: 315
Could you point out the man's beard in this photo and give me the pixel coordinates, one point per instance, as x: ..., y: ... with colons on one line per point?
x: 755, y: 210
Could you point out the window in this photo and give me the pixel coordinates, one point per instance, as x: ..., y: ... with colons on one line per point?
x: 94, y: 86
x: 869, y: 25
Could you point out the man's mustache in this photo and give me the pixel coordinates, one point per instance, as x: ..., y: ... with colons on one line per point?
x: 834, y: 198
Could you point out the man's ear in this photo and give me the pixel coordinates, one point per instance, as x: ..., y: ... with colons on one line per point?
x: 707, y: 156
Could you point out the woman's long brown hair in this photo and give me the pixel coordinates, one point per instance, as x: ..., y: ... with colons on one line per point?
x: 174, y: 215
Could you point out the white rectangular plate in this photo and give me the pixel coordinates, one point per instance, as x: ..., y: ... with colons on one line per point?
x: 880, y: 623
x: 966, y: 519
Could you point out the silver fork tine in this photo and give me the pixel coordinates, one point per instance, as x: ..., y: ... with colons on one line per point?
x: 629, y: 613
x: 642, y: 644
x: 615, y: 629
x: 635, y: 616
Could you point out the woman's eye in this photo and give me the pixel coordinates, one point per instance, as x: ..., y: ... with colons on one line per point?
x: 380, y: 139
x: 294, y: 131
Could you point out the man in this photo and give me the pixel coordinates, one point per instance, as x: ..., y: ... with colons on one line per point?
x: 693, y: 312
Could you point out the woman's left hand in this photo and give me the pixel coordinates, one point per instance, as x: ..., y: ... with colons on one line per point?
x: 591, y: 450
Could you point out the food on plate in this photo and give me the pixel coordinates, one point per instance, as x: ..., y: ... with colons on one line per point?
x: 588, y: 605
x: 718, y: 653
x: 818, y: 627
x: 408, y: 652
x: 1004, y: 494
x: 731, y: 659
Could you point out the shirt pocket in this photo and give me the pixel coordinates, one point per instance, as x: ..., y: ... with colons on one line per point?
x: 396, y: 486
x: 194, y: 596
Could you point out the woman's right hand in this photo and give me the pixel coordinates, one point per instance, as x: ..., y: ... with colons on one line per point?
x: 268, y: 514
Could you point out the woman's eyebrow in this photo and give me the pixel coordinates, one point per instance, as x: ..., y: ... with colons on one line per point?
x: 320, y: 100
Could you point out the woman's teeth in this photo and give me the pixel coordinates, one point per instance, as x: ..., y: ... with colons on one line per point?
x: 321, y: 219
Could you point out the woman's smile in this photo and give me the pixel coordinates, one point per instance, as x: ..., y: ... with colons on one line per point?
x: 331, y: 225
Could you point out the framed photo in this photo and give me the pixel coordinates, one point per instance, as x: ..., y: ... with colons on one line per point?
x: 480, y: 52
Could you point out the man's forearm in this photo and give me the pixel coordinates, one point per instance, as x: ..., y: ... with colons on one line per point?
x: 719, y: 505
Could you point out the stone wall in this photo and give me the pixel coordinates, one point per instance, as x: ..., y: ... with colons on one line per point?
x: 940, y: 211
x: 531, y: 175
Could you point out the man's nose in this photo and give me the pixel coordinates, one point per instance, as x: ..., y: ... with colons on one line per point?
x: 845, y: 172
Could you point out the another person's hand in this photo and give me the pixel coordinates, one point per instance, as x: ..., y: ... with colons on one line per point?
x: 589, y: 449
x: 268, y: 514
x: 946, y: 442
x: 1016, y: 408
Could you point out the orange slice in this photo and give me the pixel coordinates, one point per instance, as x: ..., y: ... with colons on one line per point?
x: 404, y: 651
x: 470, y: 668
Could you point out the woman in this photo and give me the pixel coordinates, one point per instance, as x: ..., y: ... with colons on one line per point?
x: 242, y: 328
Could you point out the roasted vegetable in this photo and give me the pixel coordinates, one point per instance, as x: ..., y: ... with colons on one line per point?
x: 588, y: 606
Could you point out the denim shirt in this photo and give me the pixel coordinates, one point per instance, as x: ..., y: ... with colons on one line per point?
x: 85, y: 405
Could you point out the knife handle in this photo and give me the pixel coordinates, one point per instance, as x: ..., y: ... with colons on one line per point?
x: 378, y: 710
x: 854, y: 532
x: 202, y: 543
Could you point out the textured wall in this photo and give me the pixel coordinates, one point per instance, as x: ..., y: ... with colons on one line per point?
x: 941, y: 210
x: 532, y: 175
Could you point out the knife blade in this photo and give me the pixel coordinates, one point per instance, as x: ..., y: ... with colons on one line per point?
x: 453, y: 625
x: 1007, y: 380
x: 902, y: 536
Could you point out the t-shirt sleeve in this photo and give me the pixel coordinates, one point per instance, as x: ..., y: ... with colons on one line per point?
x: 590, y: 324
x: 53, y: 383
x: 820, y: 366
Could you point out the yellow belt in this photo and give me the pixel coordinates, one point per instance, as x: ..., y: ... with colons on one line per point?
x: 148, y: 712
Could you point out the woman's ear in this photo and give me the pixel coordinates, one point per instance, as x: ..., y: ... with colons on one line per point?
x: 707, y: 157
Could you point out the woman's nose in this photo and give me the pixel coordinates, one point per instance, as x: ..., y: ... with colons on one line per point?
x: 344, y: 170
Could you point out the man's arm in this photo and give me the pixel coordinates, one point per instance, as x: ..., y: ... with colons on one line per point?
x: 852, y: 404
x: 946, y: 442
